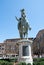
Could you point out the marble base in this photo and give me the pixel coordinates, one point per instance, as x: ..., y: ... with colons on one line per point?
x: 28, y: 58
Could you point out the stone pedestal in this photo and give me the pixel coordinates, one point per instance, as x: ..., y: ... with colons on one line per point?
x: 25, y: 51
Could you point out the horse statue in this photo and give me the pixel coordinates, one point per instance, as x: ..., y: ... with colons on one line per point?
x: 23, y: 25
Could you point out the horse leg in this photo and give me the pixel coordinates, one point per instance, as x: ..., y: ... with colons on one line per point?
x: 27, y: 35
x: 24, y: 35
x: 21, y: 35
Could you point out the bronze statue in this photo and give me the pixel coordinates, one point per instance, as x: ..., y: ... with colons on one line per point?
x: 23, y: 25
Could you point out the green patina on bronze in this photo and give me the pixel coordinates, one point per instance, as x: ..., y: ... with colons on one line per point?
x: 23, y: 25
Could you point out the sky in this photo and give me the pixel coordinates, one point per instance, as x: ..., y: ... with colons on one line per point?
x: 34, y: 10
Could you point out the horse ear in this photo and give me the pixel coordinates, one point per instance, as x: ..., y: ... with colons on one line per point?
x: 29, y: 28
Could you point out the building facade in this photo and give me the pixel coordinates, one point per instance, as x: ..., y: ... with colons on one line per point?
x: 9, y: 48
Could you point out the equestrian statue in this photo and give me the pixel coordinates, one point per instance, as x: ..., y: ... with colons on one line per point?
x: 23, y: 25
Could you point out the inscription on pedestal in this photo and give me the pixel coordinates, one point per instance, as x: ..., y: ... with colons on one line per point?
x: 25, y: 50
